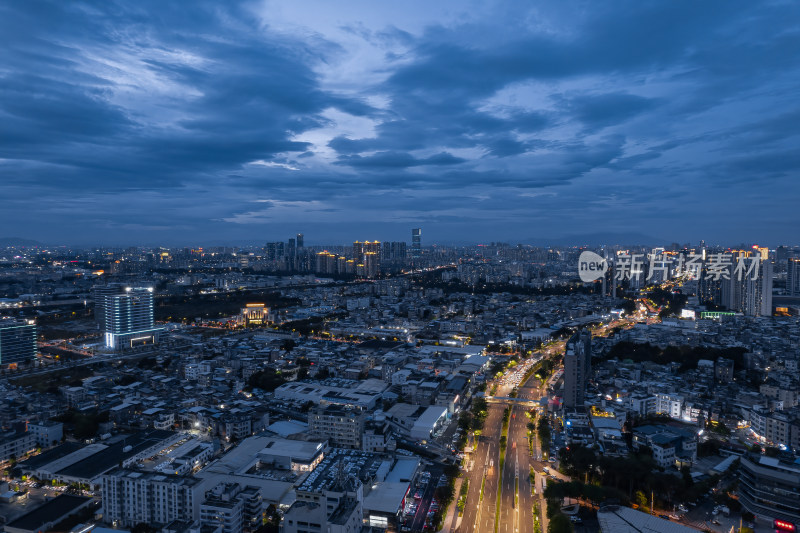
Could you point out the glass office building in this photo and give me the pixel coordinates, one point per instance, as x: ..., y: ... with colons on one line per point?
x: 17, y: 342
x: 126, y: 316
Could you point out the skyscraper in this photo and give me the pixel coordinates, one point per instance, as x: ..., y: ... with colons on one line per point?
x: 394, y: 251
x: 577, y: 367
x: 368, y: 254
x: 372, y: 264
x: 416, y: 242
x: 793, y: 276
x: 127, y: 316
x: 372, y: 247
x: 274, y: 250
x: 17, y: 341
x: 750, y: 294
x: 299, y: 240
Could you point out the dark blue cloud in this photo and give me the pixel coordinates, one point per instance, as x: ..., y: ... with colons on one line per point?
x: 398, y: 160
x: 600, y: 111
x: 214, y: 119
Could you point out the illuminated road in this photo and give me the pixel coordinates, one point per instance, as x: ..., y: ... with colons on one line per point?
x: 515, y: 506
x: 479, y: 512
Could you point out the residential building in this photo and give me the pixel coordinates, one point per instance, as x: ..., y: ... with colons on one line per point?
x: 577, y: 366
x: 793, y: 276
x: 131, y: 497
x: 47, y: 433
x: 15, y: 445
x: 723, y: 370
x: 343, y: 427
x: 232, y: 507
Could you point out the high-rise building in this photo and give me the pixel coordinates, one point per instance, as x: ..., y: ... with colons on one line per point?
x: 99, y: 294
x: 793, y: 276
x: 394, y: 251
x: 17, y: 342
x: 126, y: 314
x: 416, y: 242
x: 748, y: 293
x: 326, y: 263
x: 358, y: 251
x: 299, y: 240
x: 367, y: 254
x: 372, y: 264
x: 577, y: 368
x: 372, y: 247
x: 274, y: 250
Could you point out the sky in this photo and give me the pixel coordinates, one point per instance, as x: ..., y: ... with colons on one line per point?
x: 167, y: 122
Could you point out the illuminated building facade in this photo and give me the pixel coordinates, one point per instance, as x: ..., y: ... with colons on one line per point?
x: 367, y: 257
x: 17, y: 342
x: 254, y: 315
x: 416, y: 242
x: 793, y: 276
x: 577, y: 367
x: 126, y: 314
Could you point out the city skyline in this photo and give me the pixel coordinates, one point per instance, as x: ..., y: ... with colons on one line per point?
x: 478, y: 122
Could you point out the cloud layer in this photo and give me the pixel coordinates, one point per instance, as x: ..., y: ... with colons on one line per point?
x: 165, y: 122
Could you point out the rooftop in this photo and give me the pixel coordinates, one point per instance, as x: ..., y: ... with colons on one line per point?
x: 349, y: 464
x: 615, y: 519
x: 49, y: 513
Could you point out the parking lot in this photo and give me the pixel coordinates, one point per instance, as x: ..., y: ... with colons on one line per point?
x: 421, y: 506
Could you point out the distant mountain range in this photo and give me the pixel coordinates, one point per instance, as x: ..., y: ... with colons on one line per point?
x: 16, y: 241
x: 599, y: 239
x: 589, y: 239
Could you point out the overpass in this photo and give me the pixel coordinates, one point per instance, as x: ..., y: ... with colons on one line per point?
x: 508, y: 399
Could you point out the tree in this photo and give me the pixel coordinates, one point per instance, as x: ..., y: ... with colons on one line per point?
x: 640, y: 499
x: 288, y: 345
x: 578, y: 460
x: 268, y: 379
x: 323, y: 373
x: 302, y: 373
x: 686, y: 472
x: 543, y: 431
x: 559, y: 524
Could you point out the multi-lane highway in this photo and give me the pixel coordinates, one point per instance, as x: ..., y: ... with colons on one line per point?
x: 481, y: 504
x: 514, y: 508
x: 515, y: 502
